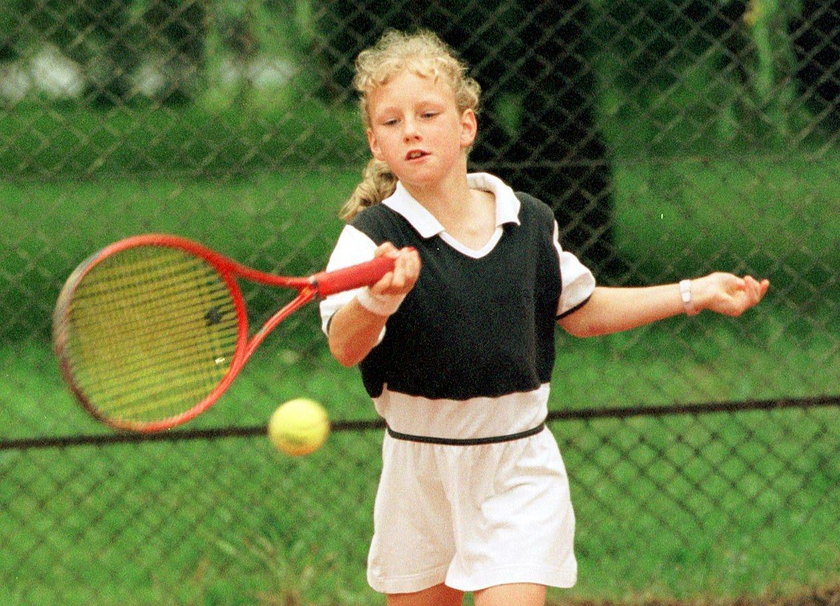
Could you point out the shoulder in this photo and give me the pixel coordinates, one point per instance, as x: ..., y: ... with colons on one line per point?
x: 371, y: 214
x: 382, y: 223
x: 374, y: 219
x: 534, y: 205
x: 535, y: 211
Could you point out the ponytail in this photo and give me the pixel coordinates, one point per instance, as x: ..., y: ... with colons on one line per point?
x: 378, y: 183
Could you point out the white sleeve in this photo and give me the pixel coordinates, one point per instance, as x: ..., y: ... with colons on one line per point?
x: 578, y: 283
x: 351, y: 248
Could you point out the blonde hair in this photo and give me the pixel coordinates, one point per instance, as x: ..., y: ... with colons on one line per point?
x: 424, y: 53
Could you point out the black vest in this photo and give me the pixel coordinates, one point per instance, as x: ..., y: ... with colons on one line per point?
x: 469, y: 327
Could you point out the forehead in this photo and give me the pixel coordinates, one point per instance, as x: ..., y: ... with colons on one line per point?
x: 411, y: 86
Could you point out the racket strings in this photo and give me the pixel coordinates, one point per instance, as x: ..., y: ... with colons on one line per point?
x: 152, y: 331
x: 137, y: 372
x: 122, y: 309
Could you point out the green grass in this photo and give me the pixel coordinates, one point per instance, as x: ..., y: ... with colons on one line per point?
x: 672, y: 505
x: 285, y: 220
x: 211, y: 140
x: 776, y: 217
x: 678, y: 506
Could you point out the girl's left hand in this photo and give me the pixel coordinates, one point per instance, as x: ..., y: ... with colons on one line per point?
x: 726, y: 293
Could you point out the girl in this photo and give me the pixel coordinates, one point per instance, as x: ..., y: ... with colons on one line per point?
x: 456, y: 344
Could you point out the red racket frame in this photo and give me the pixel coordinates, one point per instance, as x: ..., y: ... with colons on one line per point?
x: 320, y: 284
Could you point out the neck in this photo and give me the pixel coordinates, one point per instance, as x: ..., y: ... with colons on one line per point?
x: 443, y: 197
x: 452, y: 200
x: 466, y: 214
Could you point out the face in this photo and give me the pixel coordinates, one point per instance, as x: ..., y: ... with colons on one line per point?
x: 417, y: 130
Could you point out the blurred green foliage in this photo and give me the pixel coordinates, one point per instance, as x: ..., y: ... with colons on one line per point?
x: 675, y: 78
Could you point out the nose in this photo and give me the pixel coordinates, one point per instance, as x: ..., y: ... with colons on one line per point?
x: 410, y: 129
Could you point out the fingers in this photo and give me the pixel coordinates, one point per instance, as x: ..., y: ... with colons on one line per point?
x: 748, y: 292
x: 729, y: 294
x: 406, y: 270
x: 386, y: 249
x: 405, y: 273
x: 763, y: 287
x: 755, y: 290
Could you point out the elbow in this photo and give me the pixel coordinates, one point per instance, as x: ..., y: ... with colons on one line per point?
x: 345, y: 362
x: 348, y: 353
x: 581, y: 322
x: 581, y: 327
x: 351, y: 343
x: 580, y: 334
x: 583, y: 332
x: 344, y: 355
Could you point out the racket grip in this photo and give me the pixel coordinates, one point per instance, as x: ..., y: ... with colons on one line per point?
x: 355, y: 276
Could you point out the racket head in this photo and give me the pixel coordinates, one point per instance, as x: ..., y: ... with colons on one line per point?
x: 150, y: 331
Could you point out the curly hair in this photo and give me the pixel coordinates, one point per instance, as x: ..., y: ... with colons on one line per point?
x: 423, y: 53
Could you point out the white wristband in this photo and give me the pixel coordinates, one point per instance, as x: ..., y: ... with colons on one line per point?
x: 688, y: 301
x: 381, y: 305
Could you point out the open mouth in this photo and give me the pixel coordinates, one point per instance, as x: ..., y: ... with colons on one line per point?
x: 415, y: 154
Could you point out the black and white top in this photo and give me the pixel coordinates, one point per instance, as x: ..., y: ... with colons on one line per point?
x: 469, y: 353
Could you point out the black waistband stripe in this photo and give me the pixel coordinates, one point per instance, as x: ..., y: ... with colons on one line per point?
x: 466, y: 441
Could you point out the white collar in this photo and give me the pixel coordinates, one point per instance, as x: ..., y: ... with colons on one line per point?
x: 507, y: 204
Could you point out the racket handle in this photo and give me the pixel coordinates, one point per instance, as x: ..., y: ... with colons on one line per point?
x: 355, y: 276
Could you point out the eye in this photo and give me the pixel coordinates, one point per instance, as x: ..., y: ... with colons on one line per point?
x: 429, y: 114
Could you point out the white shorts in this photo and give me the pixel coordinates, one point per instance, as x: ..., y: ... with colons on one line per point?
x: 472, y: 516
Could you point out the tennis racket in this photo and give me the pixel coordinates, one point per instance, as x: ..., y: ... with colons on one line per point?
x: 151, y: 330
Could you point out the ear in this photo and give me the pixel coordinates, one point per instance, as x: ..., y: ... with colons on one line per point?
x: 374, y: 145
x: 469, y: 128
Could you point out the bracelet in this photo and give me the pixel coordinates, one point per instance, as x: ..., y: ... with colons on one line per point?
x: 381, y: 305
x: 688, y: 302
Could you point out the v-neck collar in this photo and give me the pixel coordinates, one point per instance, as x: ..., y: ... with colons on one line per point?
x: 507, y: 211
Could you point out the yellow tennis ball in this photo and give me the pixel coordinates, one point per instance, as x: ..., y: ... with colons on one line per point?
x: 299, y: 427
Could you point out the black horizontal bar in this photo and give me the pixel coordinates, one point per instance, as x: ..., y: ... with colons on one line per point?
x: 367, y: 425
x: 692, y: 409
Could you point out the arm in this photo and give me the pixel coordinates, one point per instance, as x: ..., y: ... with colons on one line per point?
x: 356, y: 328
x: 611, y: 310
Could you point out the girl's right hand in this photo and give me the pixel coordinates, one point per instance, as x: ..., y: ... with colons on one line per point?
x: 406, y: 270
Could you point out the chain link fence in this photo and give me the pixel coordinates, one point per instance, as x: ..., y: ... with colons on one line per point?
x: 671, y: 137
